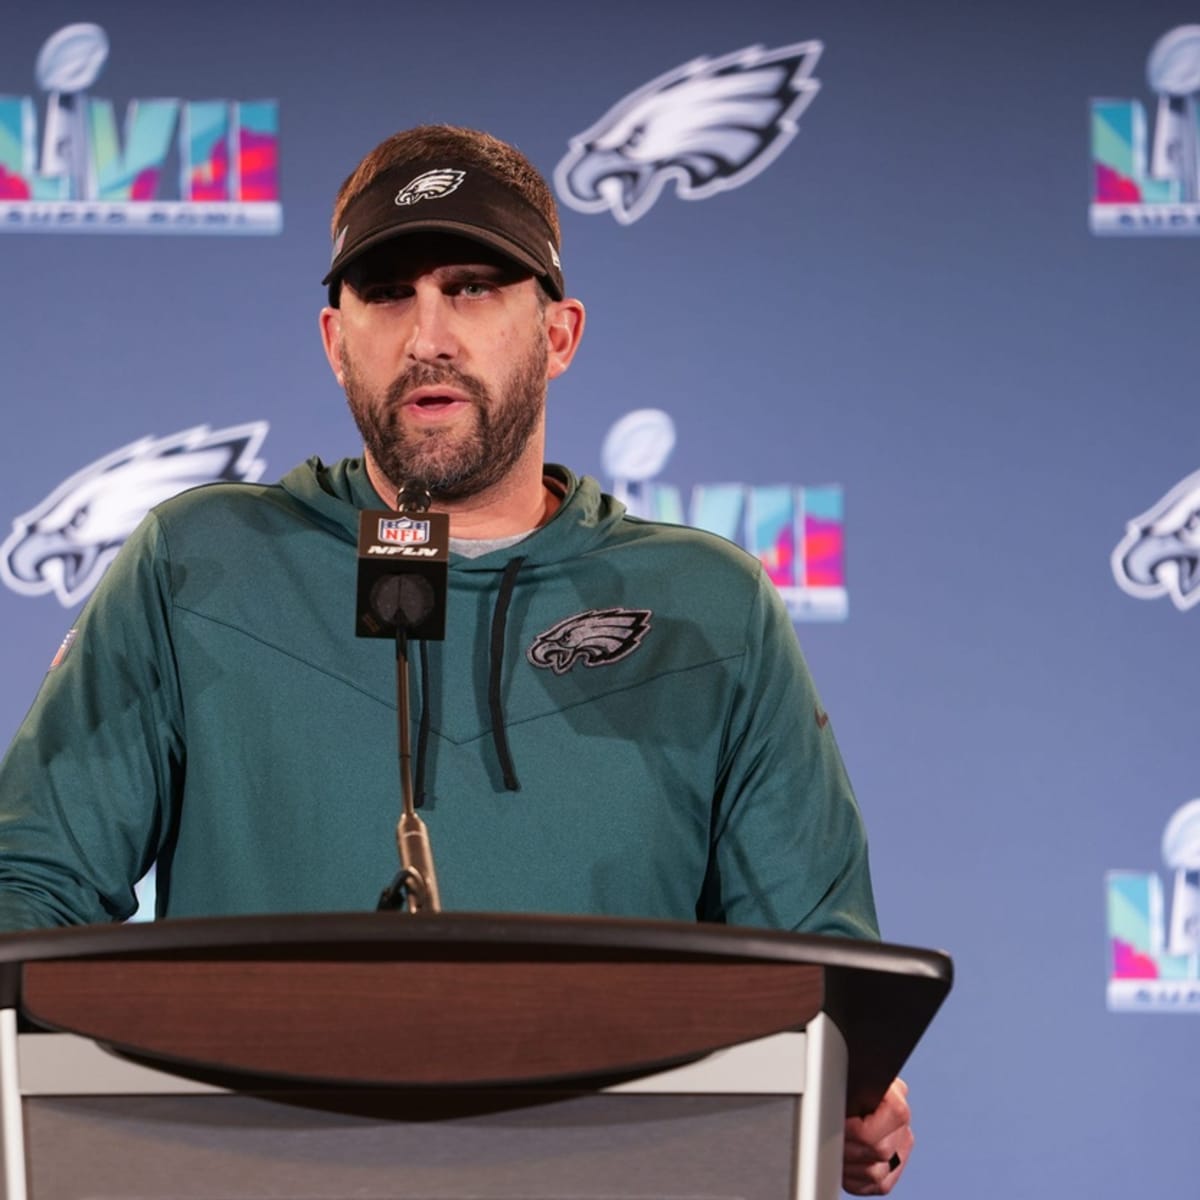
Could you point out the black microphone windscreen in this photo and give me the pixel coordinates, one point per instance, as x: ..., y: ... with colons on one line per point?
x: 403, y: 601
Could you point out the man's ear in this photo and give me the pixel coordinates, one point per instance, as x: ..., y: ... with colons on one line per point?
x: 564, y: 329
x: 331, y: 339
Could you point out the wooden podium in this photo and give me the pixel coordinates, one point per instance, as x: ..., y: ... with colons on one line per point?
x: 442, y: 1057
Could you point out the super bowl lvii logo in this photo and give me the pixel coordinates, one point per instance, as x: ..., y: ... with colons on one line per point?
x: 1147, y: 181
x: 797, y: 533
x: 172, y: 165
x: 1155, y: 954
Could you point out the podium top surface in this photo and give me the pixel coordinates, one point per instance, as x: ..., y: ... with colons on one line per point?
x: 584, y: 936
x: 577, y: 996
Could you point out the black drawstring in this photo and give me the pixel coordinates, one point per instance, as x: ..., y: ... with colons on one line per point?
x: 508, y: 583
x: 499, y: 620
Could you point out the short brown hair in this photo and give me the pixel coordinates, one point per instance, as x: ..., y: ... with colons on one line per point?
x: 471, y: 146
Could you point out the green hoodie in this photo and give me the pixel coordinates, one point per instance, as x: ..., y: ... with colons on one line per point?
x: 620, y: 722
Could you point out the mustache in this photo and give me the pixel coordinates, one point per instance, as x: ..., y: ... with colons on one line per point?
x: 431, y: 375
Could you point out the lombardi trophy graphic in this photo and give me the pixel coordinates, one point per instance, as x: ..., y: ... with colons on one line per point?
x: 1181, y: 850
x: 67, y: 65
x: 635, y: 450
x: 1173, y: 72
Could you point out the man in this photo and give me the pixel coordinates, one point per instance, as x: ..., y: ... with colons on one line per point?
x: 619, y: 720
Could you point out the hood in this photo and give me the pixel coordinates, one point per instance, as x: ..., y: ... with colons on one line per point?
x: 334, y: 495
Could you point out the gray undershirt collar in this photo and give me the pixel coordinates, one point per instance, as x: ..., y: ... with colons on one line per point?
x: 478, y: 547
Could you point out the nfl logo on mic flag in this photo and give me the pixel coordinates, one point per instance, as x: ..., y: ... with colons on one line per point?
x: 404, y: 530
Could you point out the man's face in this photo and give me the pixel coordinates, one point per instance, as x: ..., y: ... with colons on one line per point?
x: 443, y: 353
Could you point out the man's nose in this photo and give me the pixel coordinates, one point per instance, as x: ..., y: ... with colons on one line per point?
x: 432, y: 336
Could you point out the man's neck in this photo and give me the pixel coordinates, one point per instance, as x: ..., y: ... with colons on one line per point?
x: 518, y: 504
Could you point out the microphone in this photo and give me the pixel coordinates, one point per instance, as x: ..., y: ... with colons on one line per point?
x: 403, y: 565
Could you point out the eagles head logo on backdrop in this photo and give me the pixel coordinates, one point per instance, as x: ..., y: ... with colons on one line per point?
x: 1160, y: 552
x: 709, y: 125
x: 63, y: 544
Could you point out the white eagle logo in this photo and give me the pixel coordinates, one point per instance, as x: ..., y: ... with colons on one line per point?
x: 63, y: 544
x: 709, y: 125
x: 1160, y: 552
x: 595, y: 638
x: 430, y: 185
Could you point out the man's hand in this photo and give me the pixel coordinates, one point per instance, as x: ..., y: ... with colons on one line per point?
x: 877, y: 1146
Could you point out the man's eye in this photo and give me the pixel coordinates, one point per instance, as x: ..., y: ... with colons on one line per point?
x: 382, y: 293
x: 476, y: 289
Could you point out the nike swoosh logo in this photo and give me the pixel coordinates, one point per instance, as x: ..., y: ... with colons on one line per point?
x: 822, y: 718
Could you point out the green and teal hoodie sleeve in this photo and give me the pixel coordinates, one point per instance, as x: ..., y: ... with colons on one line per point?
x: 86, y: 787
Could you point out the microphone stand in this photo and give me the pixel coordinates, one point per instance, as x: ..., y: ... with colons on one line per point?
x: 415, y: 885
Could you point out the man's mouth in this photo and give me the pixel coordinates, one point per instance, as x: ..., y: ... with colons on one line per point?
x: 434, y: 401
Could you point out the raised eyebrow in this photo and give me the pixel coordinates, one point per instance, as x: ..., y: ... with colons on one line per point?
x: 451, y: 275
x: 361, y: 287
x: 470, y: 272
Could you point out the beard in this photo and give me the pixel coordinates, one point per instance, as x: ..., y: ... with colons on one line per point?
x: 451, y: 463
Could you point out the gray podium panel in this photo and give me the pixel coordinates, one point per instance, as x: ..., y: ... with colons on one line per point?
x: 238, y: 1147
x: 85, y: 1123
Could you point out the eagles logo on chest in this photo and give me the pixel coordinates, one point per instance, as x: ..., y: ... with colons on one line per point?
x: 595, y: 638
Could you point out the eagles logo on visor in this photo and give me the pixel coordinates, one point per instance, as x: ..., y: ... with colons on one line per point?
x: 453, y: 198
x: 432, y: 185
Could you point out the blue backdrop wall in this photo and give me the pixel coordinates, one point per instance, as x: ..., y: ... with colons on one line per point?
x: 884, y: 318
